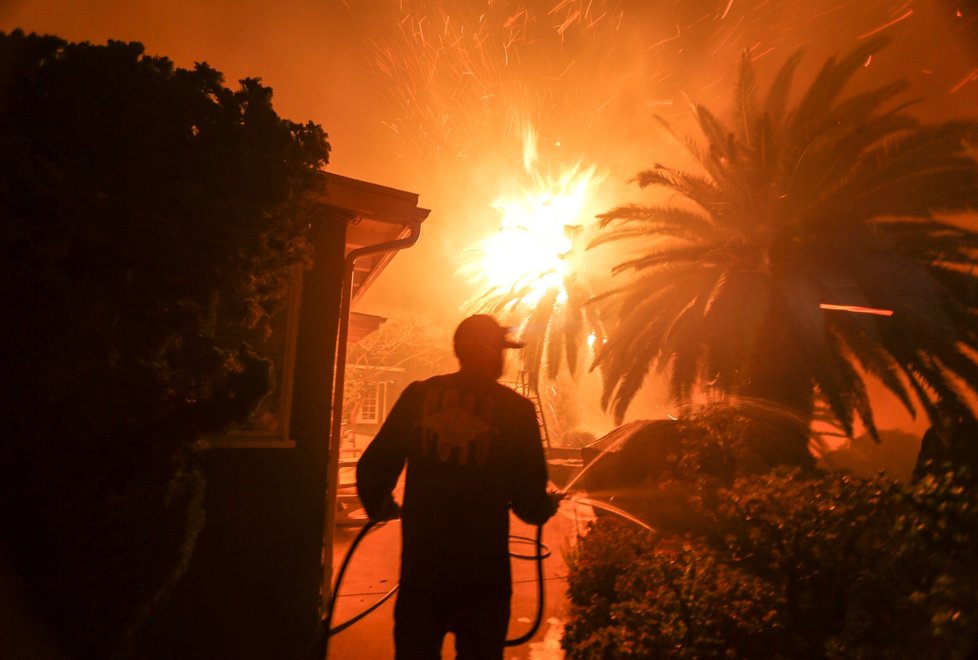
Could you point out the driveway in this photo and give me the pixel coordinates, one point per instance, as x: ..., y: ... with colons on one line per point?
x: 373, y: 572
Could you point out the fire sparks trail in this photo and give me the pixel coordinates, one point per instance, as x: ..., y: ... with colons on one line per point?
x: 856, y: 309
x: 896, y: 20
x: 459, y: 77
x: 461, y: 73
x: 967, y: 79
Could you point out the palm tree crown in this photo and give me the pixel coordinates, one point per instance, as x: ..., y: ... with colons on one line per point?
x: 838, y: 200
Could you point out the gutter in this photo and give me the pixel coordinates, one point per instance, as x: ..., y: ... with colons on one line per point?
x: 339, y: 381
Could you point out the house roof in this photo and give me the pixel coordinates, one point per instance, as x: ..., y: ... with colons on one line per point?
x: 374, y: 214
x: 362, y: 325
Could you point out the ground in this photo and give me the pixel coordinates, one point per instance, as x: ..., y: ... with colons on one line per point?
x: 373, y: 571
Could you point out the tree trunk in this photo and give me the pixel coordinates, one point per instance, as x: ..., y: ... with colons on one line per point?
x: 779, y: 395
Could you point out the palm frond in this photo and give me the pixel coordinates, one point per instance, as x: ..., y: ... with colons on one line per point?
x: 621, y: 236
x: 668, y: 280
x: 534, y: 332
x: 698, y: 189
x: 554, y: 349
x: 574, y: 323
x: 777, y: 95
x: 745, y: 104
x: 691, y: 146
x: 915, y: 228
x: 829, y: 383
x: 669, y: 220
x: 923, y: 172
x: 828, y: 84
x: 627, y: 388
x: 671, y: 256
x: 645, y: 316
x: 723, y: 158
x: 965, y: 371
x: 631, y: 352
x: 921, y: 389
x: 827, y: 161
x: 961, y: 285
x: 876, y: 360
x: 862, y: 108
x: 683, y: 340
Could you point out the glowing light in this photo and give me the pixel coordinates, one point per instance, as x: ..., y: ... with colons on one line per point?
x: 593, y: 338
x: 532, y: 251
x: 857, y: 309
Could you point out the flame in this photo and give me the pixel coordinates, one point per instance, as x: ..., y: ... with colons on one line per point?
x: 533, y: 250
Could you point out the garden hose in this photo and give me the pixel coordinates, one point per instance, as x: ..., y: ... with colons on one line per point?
x: 328, y: 621
x: 522, y: 639
x: 329, y: 631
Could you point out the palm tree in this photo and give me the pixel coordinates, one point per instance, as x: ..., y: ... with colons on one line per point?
x: 840, y: 200
x: 552, y: 320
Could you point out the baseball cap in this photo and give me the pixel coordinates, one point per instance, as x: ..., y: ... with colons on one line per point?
x: 483, y: 330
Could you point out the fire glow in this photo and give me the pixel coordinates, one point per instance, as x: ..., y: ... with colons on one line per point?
x: 531, y: 253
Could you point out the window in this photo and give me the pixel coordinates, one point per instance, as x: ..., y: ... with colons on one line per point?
x: 372, y: 405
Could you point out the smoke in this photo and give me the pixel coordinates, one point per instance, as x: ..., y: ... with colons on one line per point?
x: 432, y: 95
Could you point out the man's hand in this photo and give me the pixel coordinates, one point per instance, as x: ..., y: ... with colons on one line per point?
x: 556, y: 496
x: 390, y: 510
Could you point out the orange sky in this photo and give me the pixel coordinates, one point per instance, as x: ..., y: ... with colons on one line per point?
x: 430, y: 96
x: 589, y: 81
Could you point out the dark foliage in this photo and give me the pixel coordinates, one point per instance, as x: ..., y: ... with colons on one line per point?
x: 792, y: 567
x: 146, y: 213
x: 638, y: 595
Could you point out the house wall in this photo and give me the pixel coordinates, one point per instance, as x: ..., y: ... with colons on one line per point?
x: 359, y: 433
x: 252, y: 589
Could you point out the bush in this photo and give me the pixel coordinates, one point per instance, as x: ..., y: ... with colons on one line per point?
x: 796, y: 566
x: 639, y: 595
x: 148, y: 215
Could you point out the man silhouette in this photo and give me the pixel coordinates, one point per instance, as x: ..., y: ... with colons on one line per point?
x: 473, y: 451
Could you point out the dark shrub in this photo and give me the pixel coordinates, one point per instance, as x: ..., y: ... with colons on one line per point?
x: 637, y: 595
x: 148, y: 214
x: 795, y: 566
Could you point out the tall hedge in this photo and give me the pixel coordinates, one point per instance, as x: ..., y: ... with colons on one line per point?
x: 148, y: 213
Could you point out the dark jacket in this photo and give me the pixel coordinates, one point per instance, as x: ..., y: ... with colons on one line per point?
x: 473, y: 450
